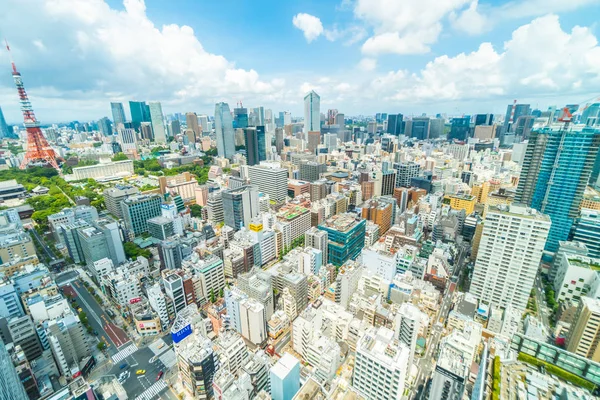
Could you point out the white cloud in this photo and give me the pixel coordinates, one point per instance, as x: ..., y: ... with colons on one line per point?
x: 470, y: 20
x: 534, y: 8
x: 310, y: 25
x: 92, y: 51
x: 540, y: 59
x: 367, y: 64
x: 404, y: 27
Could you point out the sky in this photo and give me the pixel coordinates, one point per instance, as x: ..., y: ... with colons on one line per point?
x: 361, y: 56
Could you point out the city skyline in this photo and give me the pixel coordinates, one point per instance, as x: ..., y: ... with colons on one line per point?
x: 451, y: 59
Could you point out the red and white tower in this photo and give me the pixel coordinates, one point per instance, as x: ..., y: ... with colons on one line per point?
x: 38, y: 149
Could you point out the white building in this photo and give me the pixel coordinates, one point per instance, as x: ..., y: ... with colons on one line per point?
x: 233, y: 351
x: 381, y: 365
x: 317, y: 239
x: 270, y: 179
x: 574, y: 277
x: 324, y: 354
x: 224, y: 130
x: 123, y: 286
x: 347, y: 282
x: 106, y: 170
x: 408, y: 325
x: 253, y: 323
x: 509, y: 254
x: 101, y: 267
x: 157, y: 301
x: 312, y: 112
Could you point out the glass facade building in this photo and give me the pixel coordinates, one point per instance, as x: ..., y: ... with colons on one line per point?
x: 588, y: 231
x: 346, y: 237
x: 555, y: 172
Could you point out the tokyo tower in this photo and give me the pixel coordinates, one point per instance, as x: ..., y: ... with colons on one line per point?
x: 38, y: 149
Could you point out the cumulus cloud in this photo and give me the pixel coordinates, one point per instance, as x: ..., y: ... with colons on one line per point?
x: 540, y: 59
x: 470, y: 20
x: 92, y: 51
x: 367, y: 64
x: 310, y: 25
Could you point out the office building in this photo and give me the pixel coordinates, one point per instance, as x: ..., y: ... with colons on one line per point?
x: 346, y: 236
x: 240, y: 117
x: 484, y: 119
x: 555, y: 172
x: 160, y: 228
x: 311, y: 171
x: 409, y: 322
x: 509, y: 254
x: 587, y: 231
x: 317, y: 239
x: 68, y: 342
x: 214, y: 204
x: 240, y: 206
x: 10, y: 189
x: 394, y: 126
x: 270, y: 180
x: 285, y: 378
x: 24, y: 334
x: 513, y: 112
x: 115, y: 195
x: 140, y: 112
x: 197, y: 365
x: 158, y: 124
x: 380, y: 212
x: 106, y: 170
x: 419, y: 128
x: 251, y: 140
x: 191, y: 120
x: 138, y: 209
x: 105, y: 126
x: 252, y: 321
x: 118, y: 113
x: 381, y: 366
x: 312, y: 112
x: 224, y: 131
x: 10, y: 383
x: 16, y: 246
x: 10, y: 305
x: 584, y: 334
x: 313, y: 141
x: 405, y: 172
x: 460, y: 129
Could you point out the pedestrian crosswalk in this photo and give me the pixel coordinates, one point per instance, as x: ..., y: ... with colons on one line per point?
x: 126, y: 352
x: 153, y: 391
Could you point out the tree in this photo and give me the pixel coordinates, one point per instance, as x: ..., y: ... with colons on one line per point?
x: 221, y: 293
x: 83, y: 318
x: 120, y: 157
x: 196, y: 210
x: 101, y: 346
x: 212, y: 296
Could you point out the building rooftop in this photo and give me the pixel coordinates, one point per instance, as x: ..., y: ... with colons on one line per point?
x: 285, y: 365
x: 342, y: 222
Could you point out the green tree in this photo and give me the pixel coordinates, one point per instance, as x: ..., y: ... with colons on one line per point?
x: 120, y: 157
x: 196, y: 210
x: 101, y: 346
x: 221, y: 293
x: 212, y: 296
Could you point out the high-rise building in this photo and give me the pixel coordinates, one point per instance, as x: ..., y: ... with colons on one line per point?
x: 590, y: 116
x: 104, y: 126
x: 137, y: 210
x: 405, y: 172
x: 381, y: 366
x: 314, y: 140
x: 68, y: 342
x: 460, y: 128
x: 419, y: 128
x: 312, y: 112
x: 127, y: 139
x: 346, y: 235
x: 584, y: 334
x: 513, y: 112
x: 139, y: 113
x: 509, y: 254
x: 224, y: 131
x: 285, y: 378
x: 197, y: 364
x: 317, y: 239
x: 251, y: 140
x: 10, y: 305
x: 240, y: 117
x: 484, y: 119
x: 24, y: 334
x: 270, y: 180
x: 311, y: 171
x: 160, y: 227
x: 555, y: 173
x: 394, y: 126
x: 262, y: 143
x: 158, y: 124
x: 118, y: 113
x: 587, y: 231
x: 240, y: 206
x: 191, y: 120
x: 115, y: 195
x: 10, y: 384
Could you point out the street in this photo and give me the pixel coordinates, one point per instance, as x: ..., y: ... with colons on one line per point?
x: 540, y: 298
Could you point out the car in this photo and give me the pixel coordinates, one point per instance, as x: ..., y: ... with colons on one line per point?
x: 123, y: 366
x: 95, y: 332
x: 140, y: 372
x: 79, y: 309
x: 160, y: 346
x: 160, y: 374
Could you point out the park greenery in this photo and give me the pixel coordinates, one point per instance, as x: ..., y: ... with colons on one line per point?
x: 558, y: 371
x: 133, y: 251
x: 496, y: 379
x: 196, y: 210
x: 119, y: 157
x: 68, y: 169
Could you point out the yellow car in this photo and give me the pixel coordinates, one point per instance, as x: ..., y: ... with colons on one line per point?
x: 140, y: 372
x: 79, y: 309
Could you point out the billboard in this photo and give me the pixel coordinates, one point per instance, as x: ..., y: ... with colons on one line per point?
x: 181, y: 334
x: 135, y: 300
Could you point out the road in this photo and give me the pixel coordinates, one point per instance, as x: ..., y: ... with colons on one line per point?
x: 426, y: 363
x: 541, y: 301
x: 43, y: 245
x: 108, y: 332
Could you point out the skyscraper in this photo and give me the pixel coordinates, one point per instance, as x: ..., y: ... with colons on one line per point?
x: 139, y: 113
x: 118, y: 113
x: 460, y: 128
x: 4, y: 132
x: 556, y: 170
x: 513, y: 112
x: 104, y: 126
x: 224, y: 130
x: 262, y: 142
x: 158, y: 125
x: 10, y: 384
x: 420, y: 128
x: 591, y: 115
x: 312, y: 112
x: 240, y: 117
x: 270, y: 180
x: 191, y: 120
x: 509, y: 254
x: 394, y: 126
x: 251, y: 142
x: 240, y: 206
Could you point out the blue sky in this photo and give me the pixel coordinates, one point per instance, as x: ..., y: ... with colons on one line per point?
x: 361, y: 56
